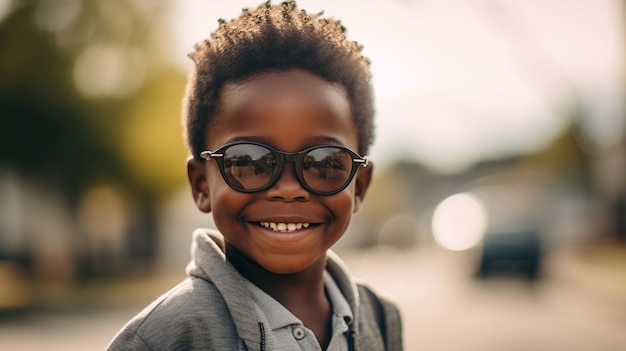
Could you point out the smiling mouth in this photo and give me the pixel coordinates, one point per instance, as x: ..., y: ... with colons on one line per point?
x: 284, y: 227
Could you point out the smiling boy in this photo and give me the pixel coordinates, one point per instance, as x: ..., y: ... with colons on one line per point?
x: 278, y: 111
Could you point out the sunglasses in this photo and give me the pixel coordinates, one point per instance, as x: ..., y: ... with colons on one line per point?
x: 250, y: 167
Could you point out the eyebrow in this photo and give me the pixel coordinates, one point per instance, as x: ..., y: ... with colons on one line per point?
x: 316, y: 140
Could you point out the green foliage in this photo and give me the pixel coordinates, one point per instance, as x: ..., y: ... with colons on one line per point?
x: 44, y: 131
x: 52, y: 131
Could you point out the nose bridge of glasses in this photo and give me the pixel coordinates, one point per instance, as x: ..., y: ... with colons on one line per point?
x: 290, y: 156
x: 287, y: 182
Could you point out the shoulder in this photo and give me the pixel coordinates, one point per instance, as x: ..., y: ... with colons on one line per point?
x: 381, y: 310
x: 192, y: 314
x: 370, y: 298
x: 184, y: 302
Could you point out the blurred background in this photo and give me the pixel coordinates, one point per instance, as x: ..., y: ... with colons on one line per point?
x: 496, y: 218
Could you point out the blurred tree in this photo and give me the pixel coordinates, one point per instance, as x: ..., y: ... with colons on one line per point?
x: 74, y: 94
x: 89, y: 95
x: 44, y: 131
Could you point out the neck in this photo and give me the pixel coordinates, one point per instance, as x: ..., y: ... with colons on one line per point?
x: 288, y: 289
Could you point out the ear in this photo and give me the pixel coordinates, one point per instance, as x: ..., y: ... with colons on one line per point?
x: 196, y: 172
x: 363, y: 179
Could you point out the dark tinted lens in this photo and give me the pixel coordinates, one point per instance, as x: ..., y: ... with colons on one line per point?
x: 326, y: 169
x: 248, y: 166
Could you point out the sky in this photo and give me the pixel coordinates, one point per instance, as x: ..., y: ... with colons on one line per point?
x: 457, y: 82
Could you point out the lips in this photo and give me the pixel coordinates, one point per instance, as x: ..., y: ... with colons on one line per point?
x: 283, y: 226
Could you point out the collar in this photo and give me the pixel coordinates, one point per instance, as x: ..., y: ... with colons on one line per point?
x: 340, y: 305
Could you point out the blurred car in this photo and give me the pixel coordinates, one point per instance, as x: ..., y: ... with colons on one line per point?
x: 514, y: 239
x: 515, y: 252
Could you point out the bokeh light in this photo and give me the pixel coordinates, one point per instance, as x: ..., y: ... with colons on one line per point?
x: 459, y: 222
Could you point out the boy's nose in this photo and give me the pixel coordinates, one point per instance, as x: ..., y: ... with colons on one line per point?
x: 288, y: 187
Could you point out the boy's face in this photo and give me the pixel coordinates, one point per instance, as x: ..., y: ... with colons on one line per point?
x: 289, y: 111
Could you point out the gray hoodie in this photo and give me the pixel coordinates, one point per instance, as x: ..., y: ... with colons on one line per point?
x: 213, y: 310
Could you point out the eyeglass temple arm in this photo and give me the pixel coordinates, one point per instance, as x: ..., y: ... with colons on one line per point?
x: 209, y: 155
x: 365, y: 161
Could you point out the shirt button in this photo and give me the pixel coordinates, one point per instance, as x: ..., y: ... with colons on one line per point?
x: 298, y: 333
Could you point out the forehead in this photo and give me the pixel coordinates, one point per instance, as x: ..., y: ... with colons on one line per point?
x: 271, y: 87
x: 293, y: 104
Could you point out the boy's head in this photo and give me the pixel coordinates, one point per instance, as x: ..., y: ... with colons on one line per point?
x: 275, y: 38
x: 278, y: 110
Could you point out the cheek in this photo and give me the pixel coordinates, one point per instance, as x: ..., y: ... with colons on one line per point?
x: 343, y: 205
x: 226, y: 207
x: 225, y: 202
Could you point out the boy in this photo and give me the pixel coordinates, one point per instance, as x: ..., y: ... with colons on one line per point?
x: 276, y: 104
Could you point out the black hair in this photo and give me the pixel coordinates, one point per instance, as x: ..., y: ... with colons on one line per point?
x: 275, y: 38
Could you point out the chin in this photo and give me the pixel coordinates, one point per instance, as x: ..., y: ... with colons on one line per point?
x: 282, y: 269
x: 287, y: 266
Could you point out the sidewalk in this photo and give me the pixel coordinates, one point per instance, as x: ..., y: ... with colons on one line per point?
x: 599, y: 268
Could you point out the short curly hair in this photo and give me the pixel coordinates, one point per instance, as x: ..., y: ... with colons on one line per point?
x: 275, y: 38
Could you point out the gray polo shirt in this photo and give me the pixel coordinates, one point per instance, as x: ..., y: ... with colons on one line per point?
x: 288, y: 333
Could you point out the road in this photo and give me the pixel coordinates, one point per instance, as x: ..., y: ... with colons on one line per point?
x: 578, y: 305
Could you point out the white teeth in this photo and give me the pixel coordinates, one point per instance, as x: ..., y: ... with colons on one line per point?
x: 284, y: 227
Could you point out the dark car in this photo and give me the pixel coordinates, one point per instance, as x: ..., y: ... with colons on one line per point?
x: 514, y: 240
x: 511, y: 253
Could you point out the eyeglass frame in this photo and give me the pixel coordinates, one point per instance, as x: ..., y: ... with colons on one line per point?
x: 296, y: 158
